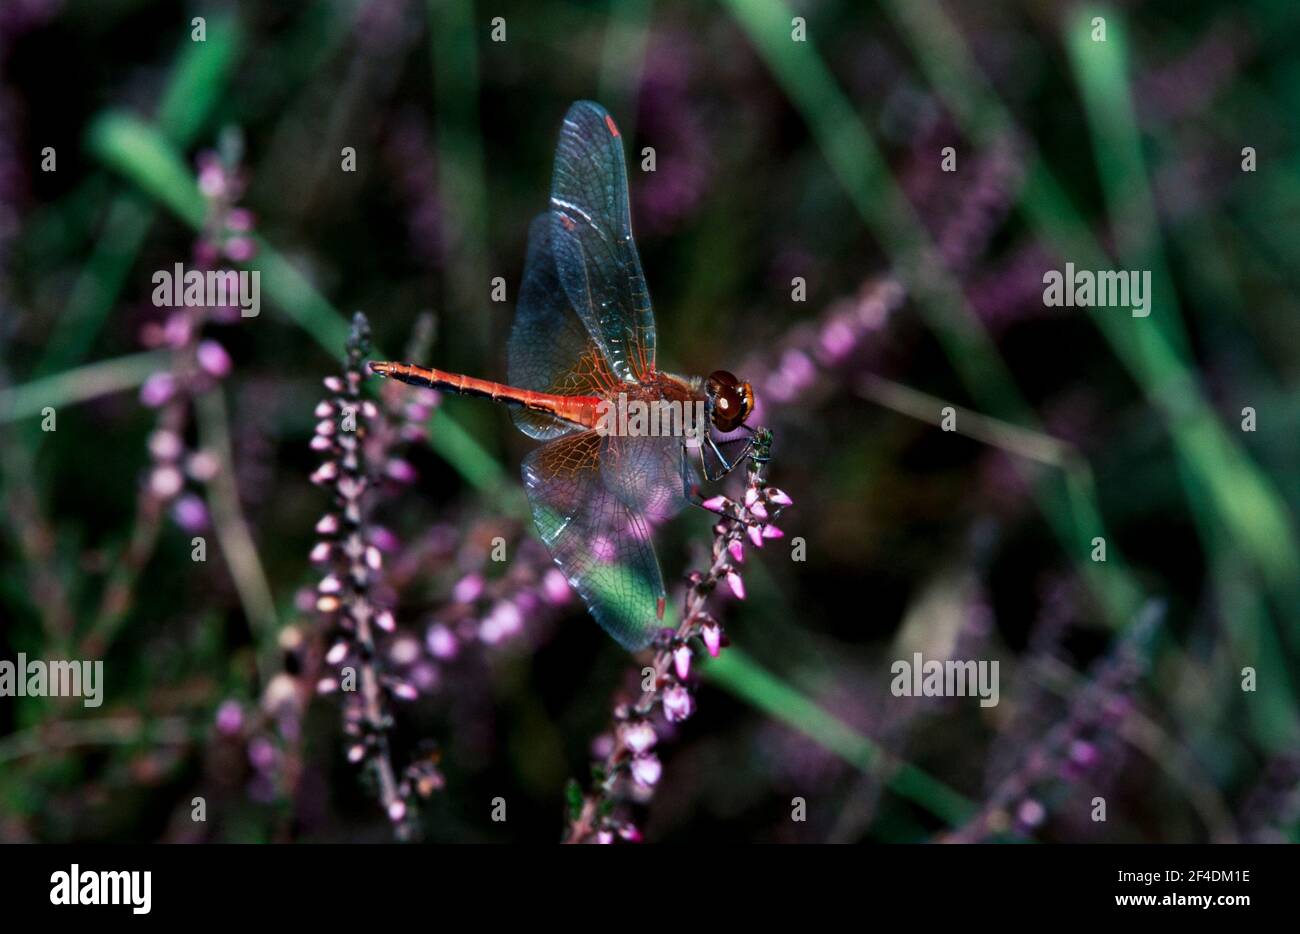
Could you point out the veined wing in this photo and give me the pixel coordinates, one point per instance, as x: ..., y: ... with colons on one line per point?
x: 550, y: 349
x: 600, y: 542
x: 591, y: 236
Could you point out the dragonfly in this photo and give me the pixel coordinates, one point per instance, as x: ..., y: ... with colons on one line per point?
x: 582, y: 345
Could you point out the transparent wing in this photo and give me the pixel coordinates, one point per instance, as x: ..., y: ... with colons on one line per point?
x: 550, y: 349
x: 591, y: 237
x: 600, y: 542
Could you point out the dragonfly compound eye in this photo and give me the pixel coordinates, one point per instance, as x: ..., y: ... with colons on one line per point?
x: 732, y: 400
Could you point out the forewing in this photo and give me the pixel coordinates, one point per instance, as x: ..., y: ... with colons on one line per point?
x: 591, y: 236
x: 550, y: 349
x: 601, y: 543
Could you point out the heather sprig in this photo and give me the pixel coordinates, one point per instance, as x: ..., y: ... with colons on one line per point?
x: 353, y: 433
x: 628, y: 767
x: 1072, y: 749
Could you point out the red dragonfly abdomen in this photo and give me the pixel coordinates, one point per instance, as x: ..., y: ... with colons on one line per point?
x: 581, y: 410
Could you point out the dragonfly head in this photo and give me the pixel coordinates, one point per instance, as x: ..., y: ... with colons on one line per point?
x: 730, y: 400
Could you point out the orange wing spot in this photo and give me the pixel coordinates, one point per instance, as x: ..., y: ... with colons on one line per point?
x: 659, y: 608
x: 609, y: 122
x: 567, y: 221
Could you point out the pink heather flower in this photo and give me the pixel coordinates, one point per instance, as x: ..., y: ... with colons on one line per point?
x: 758, y: 510
x: 230, y: 718
x: 165, y: 482
x: 555, y: 588
x: 320, y: 553
x: 1083, y: 753
x: 356, y: 753
x: 797, y: 368
x: 751, y: 497
x: 325, y: 473
x: 203, y: 466
x: 383, y: 539
x: 333, y: 383
x: 736, y: 584
x: 374, y: 560
x: 240, y: 249
x: 212, y: 177
x: 401, y: 470
x: 404, y: 651
x: 320, y: 443
x: 779, y: 497
x: 324, y: 409
x: 385, y: 621
x: 638, y: 737
x: 261, y: 753
x: 503, y: 622
x: 190, y: 513
x: 629, y: 833
x: 177, y: 329
x: 1030, y: 813
x: 682, y: 662
x: 678, y: 703
x: 325, y: 427
x: 213, y: 359
x: 716, y: 503
x: 328, y: 524
x: 397, y: 811
x: 468, y: 588
x: 165, y: 445
x: 404, y: 691
x: 737, y: 549
x: 604, y: 836
x: 771, y: 531
x: 158, y: 390
x: 326, y: 686
x: 329, y: 584
x: 836, y: 340
x: 441, y: 642
x: 755, y: 534
x: 239, y: 219
x: 712, y: 635
x: 337, y: 653
x: 646, y: 770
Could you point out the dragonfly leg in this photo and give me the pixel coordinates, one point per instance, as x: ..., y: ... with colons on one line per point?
x: 691, y: 491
